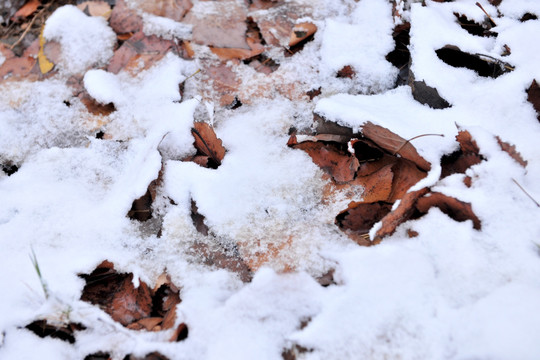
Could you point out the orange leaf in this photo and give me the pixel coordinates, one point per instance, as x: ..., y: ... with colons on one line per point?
x: 28, y: 8
x: 301, y: 32
x: 207, y: 142
x: 398, y: 216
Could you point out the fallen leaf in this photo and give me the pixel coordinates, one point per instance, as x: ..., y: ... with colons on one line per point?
x: 533, y: 96
x: 467, y: 143
x: 301, y: 32
x: 148, y: 323
x: 27, y: 9
x: 511, y: 150
x: 346, y: 72
x: 198, y: 219
x: 116, y: 295
x: 402, y: 213
x: 207, y: 142
x: 65, y: 332
x: 394, y: 144
x: 124, y: 20
x: 139, y: 52
x: 175, y: 10
x: 96, y: 8
x: 406, y: 174
x: 237, y: 53
x: 222, y: 80
x: 456, y: 209
x: 44, y: 64
x: 181, y: 333
x: 220, y: 24
x: 339, y: 164
x: 361, y: 218
x: 375, y: 187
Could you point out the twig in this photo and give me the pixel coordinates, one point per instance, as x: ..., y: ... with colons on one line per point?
x: 485, y: 12
x: 526, y: 193
x: 29, y: 26
x: 192, y: 75
x: 416, y: 137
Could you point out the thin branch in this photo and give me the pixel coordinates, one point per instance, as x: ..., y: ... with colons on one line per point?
x: 526, y: 193
x: 416, y: 137
x: 485, y: 12
x: 29, y: 26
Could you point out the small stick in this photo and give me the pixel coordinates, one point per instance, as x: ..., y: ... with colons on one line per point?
x: 526, y: 193
x: 192, y: 75
x: 416, y: 137
x: 29, y: 27
x: 485, y: 12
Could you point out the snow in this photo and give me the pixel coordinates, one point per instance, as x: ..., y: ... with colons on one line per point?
x: 452, y: 292
x: 85, y: 40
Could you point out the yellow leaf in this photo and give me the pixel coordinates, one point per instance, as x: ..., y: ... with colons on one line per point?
x: 44, y: 64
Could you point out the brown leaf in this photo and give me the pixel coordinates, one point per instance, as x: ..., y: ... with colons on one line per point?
x: 346, y: 72
x: 139, y: 52
x: 65, y: 332
x: 181, y: 333
x: 116, y: 295
x: 96, y: 8
x: 207, y: 142
x: 406, y: 174
x: 456, y: 209
x: 394, y: 144
x: 27, y: 9
x: 533, y: 96
x: 124, y: 20
x: 301, y: 31
x: 94, y: 107
x: 401, y: 214
x: 220, y: 24
x: 175, y: 10
x: 467, y: 143
x: 511, y: 150
x: 198, y: 219
x: 224, y: 81
x: 376, y: 186
x: 242, y: 54
x: 222, y: 259
x: 458, y: 163
x: 148, y: 323
x: 361, y: 218
x: 17, y: 67
x: 369, y: 167
x: 339, y: 164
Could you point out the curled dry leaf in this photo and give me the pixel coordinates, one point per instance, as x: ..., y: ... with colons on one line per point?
x: 394, y: 144
x: 398, y: 216
x: 207, y: 142
x: 456, y: 209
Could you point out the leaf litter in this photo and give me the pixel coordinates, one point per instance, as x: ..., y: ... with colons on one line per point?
x: 261, y: 231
